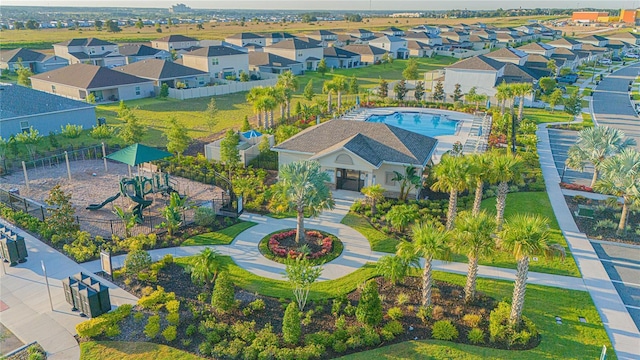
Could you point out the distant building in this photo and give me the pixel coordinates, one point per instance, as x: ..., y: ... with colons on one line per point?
x: 590, y: 17
x: 629, y: 16
x: 36, y: 61
x: 175, y: 42
x: 179, y: 8
x: 139, y: 52
x: 90, y: 51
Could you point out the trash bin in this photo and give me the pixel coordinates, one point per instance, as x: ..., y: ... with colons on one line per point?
x: 86, y: 295
x: 14, y: 191
x: 101, y: 121
x: 9, y: 251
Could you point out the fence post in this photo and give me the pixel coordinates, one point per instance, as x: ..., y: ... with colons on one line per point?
x: 42, y: 211
x: 66, y: 159
x: 26, y: 178
x: 111, y: 221
x: 104, y: 157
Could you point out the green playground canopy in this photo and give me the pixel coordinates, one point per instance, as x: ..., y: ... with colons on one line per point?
x: 137, y: 154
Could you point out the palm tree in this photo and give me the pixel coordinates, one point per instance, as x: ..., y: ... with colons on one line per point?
x: 340, y: 84
x: 594, y: 145
x: 408, y: 181
x: 503, y: 93
x: 289, y: 83
x: 374, y: 193
x: 525, y: 235
x: 504, y: 169
x: 473, y: 236
x: 304, y: 187
x: 451, y: 176
x: 205, y: 267
x: 128, y: 219
x: 253, y: 97
x: 328, y: 88
x: 621, y: 177
x: 479, y: 169
x: 522, y: 90
x: 429, y: 242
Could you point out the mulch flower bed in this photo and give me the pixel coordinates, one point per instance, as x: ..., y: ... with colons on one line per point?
x: 319, y: 247
x: 610, y: 215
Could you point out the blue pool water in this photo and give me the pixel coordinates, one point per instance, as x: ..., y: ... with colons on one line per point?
x: 421, y: 123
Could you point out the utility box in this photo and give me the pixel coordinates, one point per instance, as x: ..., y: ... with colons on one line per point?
x: 86, y: 294
x: 12, y: 247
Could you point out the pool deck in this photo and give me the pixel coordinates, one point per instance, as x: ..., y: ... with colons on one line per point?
x: 445, y: 142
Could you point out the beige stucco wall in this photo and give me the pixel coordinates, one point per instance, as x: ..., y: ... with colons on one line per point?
x: 484, y: 81
x: 63, y: 90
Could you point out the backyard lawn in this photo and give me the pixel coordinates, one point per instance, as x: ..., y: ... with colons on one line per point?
x: 544, y: 116
x: 221, y: 237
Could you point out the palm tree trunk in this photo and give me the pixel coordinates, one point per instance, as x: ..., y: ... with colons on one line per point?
x: 339, y: 100
x: 288, y: 108
x: 521, y: 108
x: 595, y: 177
x: 273, y: 122
x: 259, y: 118
x: 329, y: 103
x: 426, y: 282
x: 478, y: 198
x: 503, y: 104
x: 374, y: 208
x: 472, y: 274
x: 453, y: 206
x: 623, y: 218
x: 501, y: 200
x: 519, y: 289
x: 266, y: 119
x: 282, y: 111
x: 300, y: 225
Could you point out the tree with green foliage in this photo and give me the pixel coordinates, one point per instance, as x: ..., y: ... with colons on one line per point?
x: 210, y: 114
x: 565, y: 71
x: 164, y: 91
x: 621, y: 178
x: 395, y: 268
x: 98, y: 24
x: 291, y: 328
x: 479, y: 171
x: 322, y: 67
x: 172, y: 213
x: 244, y: 76
x: 354, y: 88
x: 289, y: 84
x: 504, y: 169
x: 284, y: 132
x: 246, y: 126
x: 229, y: 153
x: 132, y: 130
x: 383, y: 88
x: 401, y: 215
x: 457, y: 93
x: 129, y: 220
x: 91, y: 98
x: 30, y: 139
x: 547, y: 85
x: 373, y: 193
x: 298, y: 109
x: 524, y: 236
x: 139, y: 24
x: 438, y: 91
x: 387, y: 58
x: 112, y: 26
x: 31, y: 24
x: 573, y: 103
x: 410, y: 71
x: 205, y: 267
x: 137, y: 261
x: 24, y: 74
x: 400, y: 88
x: 223, y: 296
x: 304, y: 185
x: 255, y: 96
x: 369, y: 310
x: 308, y: 93
x: 552, y: 67
x: 451, y: 176
x: 554, y: 99
x: 301, y: 275
x: 522, y: 90
x: 418, y: 91
x: 4, y: 147
x: 408, y: 181
x: 177, y: 138
x: 472, y: 236
x: 61, y: 220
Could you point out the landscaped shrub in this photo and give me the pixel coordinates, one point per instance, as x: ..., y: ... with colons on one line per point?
x: 369, y: 310
x: 339, y: 346
x: 370, y: 336
x: 438, y: 312
x: 472, y: 320
x: 444, y: 330
x: 395, y: 313
x: 476, y: 336
x: 137, y: 261
x: 257, y: 305
x: 205, y: 216
x: 425, y: 313
x: 173, y: 306
x: 156, y: 299
x: 501, y: 330
x: 96, y: 326
x: 112, y: 330
x: 71, y: 131
x: 291, y: 324
x: 170, y: 333
x: 101, y: 132
x: 394, y: 327
x: 152, y: 328
x: 223, y: 295
x: 83, y: 247
x: 323, y: 338
x: 402, y: 299
x: 173, y: 318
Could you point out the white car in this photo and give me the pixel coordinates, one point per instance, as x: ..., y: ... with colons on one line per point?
x: 633, y: 56
x: 605, y: 61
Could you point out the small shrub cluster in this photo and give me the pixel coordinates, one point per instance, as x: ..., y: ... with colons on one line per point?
x: 157, y: 299
x: 223, y: 295
x: 71, y: 131
x: 501, y: 331
x: 99, y: 325
x: 444, y: 330
x: 277, y: 249
x: 577, y: 187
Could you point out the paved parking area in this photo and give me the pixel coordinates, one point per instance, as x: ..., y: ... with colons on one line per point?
x: 622, y: 264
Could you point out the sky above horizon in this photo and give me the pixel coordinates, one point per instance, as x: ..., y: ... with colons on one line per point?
x: 398, y: 5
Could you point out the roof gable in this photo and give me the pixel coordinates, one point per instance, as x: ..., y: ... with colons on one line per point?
x: 21, y: 53
x: 175, y: 38
x: 159, y: 69
x: 215, y: 50
x: 86, y: 76
x: 16, y: 101
x: 480, y: 62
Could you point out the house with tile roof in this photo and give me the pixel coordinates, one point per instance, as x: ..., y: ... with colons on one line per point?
x: 356, y: 154
x: 175, y: 42
x: 392, y: 31
x: 276, y: 37
x: 308, y: 52
x: 246, y: 38
x: 361, y: 34
x: 219, y: 61
x: 595, y: 40
x: 22, y: 108
x: 138, y: 52
x: 539, y: 62
x: 537, y: 48
x: 626, y: 37
x: 509, y: 55
x: 36, y: 61
x: 424, y: 37
x: 340, y: 58
x: 77, y: 81
x: 89, y: 51
x: 566, y: 43
x: 419, y: 49
x: 272, y: 63
x: 369, y: 54
x: 325, y: 37
x: 166, y: 72
x: 396, y: 46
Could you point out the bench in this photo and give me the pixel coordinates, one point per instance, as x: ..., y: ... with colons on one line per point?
x: 585, y: 212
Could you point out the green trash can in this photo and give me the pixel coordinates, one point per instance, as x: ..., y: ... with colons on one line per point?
x: 86, y: 295
x: 68, y: 293
x: 21, y: 247
x: 89, y: 301
x: 9, y: 250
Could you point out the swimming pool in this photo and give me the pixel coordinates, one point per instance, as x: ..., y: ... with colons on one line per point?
x: 422, y: 123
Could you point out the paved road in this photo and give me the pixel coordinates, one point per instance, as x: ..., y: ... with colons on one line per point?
x: 611, y: 104
x: 561, y: 141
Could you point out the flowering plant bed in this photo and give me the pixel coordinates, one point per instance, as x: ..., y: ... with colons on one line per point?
x: 319, y: 247
x: 575, y: 187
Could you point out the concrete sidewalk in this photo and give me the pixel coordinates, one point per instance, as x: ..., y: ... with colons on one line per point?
x: 622, y: 331
x: 28, y: 312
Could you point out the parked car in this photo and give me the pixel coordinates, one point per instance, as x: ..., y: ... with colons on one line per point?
x: 632, y: 55
x: 605, y: 61
x: 616, y: 58
x: 569, y: 79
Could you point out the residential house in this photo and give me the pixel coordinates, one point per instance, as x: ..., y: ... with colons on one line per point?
x: 509, y: 55
x: 356, y: 154
x: 246, y: 38
x: 37, y: 62
x: 506, y: 39
x: 395, y: 45
x: 393, y: 31
x: 626, y: 37
x: 166, y: 72
x: 272, y: 63
x: 340, y: 58
x: 569, y: 59
x: 537, y: 48
x: 419, y: 49
x: 138, y: 52
x: 595, y: 40
x: 219, y: 61
x: 325, y: 37
x: 480, y: 72
x: 361, y: 34
x: 459, y: 36
x: 486, y: 34
x: 274, y: 38
x: 22, y: 108
x: 307, y: 52
x: 540, y: 63
x: 478, y: 43
x: 566, y: 43
x: 619, y: 47
x: 513, y: 73
x: 344, y: 40
x: 423, y: 37
x: 431, y: 30
x: 89, y: 51
x: 175, y: 42
x: 254, y: 48
x: 368, y: 54
x: 77, y: 81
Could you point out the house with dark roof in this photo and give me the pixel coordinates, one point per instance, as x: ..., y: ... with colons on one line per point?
x: 166, y: 72
x: 89, y: 51
x: 369, y: 54
x: 566, y: 43
x: 504, y: 39
x: 246, y: 38
x: 361, y: 34
x: 307, y: 51
x: 509, y: 55
x: 481, y: 72
x: 424, y: 37
x: 77, y: 81
x: 626, y: 37
x: 276, y: 37
x: 138, y: 52
x: 393, y: 31
x: 37, y: 62
x: 325, y: 37
x: 513, y: 73
x: 272, y: 63
x: 595, y: 40
x: 396, y: 46
x: 356, y: 154
x: 219, y: 61
x: 22, y: 108
x: 341, y: 58
x: 539, y: 62
x: 175, y: 42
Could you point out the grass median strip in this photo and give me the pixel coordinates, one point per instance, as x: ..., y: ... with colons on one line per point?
x: 221, y: 237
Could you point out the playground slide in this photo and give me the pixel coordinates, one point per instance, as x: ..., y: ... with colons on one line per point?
x: 142, y: 204
x: 102, y: 204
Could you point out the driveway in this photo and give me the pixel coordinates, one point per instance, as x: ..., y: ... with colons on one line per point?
x: 611, y: 104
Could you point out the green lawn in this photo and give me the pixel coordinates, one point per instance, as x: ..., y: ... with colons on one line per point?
x: 587, y: 120
x: 118, y: 350
x: 221, y: 237
x: 379, y: 241
x: 571, y: 89
x: 544, y: 116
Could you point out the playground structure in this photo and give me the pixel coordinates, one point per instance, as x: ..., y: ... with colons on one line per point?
x: 136, y: 188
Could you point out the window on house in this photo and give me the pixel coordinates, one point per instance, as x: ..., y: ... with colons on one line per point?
x: 388, y: 178
x: 53, y: 89
x: 300, y: 54
x: 24, y: 126
x: 137, y: 90
x: 215, y: 61
x: 103, y: 48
